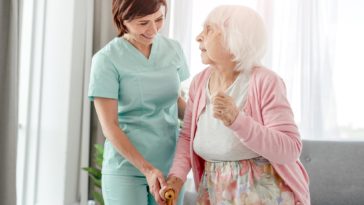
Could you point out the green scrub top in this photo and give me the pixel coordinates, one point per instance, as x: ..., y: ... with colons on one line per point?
x: 147, y: 92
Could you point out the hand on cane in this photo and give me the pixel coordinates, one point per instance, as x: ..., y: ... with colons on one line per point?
x: 169, y: 195
x: 171, y: 192
x: 155, y: 180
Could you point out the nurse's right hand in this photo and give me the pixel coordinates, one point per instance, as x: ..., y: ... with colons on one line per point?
x: 155, y: 181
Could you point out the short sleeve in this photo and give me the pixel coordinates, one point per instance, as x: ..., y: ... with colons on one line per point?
x: 182, y: 70
x: 104, y: 78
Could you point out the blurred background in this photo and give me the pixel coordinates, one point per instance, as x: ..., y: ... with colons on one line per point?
x: 48, y: 127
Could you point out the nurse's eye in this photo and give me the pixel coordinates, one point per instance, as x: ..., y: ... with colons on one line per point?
x: 159, y: 20
x: 144, y: 23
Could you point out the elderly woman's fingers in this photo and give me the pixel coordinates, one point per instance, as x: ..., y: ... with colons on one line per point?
x: 219, y: 114
x: 219, y: 96
x: 222, y: 99
x: 224, y: 105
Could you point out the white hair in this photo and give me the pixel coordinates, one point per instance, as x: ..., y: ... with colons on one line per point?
x: 244, y: 34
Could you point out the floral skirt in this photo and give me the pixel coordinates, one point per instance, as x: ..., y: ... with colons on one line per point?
x: 245, y: 182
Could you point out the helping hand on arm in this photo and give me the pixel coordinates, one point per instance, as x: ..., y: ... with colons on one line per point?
x: 181, y: 106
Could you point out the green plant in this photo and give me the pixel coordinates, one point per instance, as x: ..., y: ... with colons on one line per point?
x: 95, y: 174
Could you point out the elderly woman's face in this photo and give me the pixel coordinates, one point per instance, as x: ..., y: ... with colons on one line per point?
x: 212, y: 46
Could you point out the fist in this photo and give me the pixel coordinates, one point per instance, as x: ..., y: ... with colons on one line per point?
x: 224, y: 108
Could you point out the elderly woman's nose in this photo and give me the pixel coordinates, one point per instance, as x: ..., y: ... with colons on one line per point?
x: 199, y: 37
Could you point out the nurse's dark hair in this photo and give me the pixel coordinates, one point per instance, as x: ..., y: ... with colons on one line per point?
x: 127, y: 10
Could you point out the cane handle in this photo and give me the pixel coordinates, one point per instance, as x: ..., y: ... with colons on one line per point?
x: 169, y: 195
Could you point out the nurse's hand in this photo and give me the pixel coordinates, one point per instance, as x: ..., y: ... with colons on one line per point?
x: 224, y: 108
x: 155, y: 181
x: 175, y: 184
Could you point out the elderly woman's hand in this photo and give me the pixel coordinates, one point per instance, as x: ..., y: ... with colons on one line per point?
x: 175, y: 184
x: 224, y: 108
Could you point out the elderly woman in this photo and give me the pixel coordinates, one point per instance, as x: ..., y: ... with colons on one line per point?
x: 239, y: 134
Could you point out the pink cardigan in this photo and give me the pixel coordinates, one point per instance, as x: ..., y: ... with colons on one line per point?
x: 266, y: 126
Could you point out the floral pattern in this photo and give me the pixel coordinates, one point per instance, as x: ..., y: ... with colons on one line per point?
x: 245, y: 182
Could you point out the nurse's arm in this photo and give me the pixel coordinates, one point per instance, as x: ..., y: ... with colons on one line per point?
x: 181, y: 107
x: 107, y: 112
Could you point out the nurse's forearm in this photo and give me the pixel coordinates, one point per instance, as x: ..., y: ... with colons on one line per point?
x: 107, y: 112
x: 123, y: 145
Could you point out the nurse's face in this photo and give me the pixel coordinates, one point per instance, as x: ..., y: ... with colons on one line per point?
x: 142, y: 30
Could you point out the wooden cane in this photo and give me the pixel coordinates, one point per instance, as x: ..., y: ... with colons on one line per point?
x: 169, y: 195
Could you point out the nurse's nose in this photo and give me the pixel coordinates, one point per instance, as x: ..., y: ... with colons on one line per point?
x: 153, y: 28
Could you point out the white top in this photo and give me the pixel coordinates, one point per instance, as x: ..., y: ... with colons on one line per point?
x: 216, y: 142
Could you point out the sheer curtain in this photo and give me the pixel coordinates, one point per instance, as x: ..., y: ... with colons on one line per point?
x: 181, y: 24
x: 9, y: 98
x: 303, y: 45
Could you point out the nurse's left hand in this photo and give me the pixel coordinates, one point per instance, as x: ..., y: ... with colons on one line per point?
x: 224, y: 108
x: 155, y: 181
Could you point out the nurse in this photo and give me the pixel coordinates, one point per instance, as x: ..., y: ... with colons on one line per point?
x: 135, y: 81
